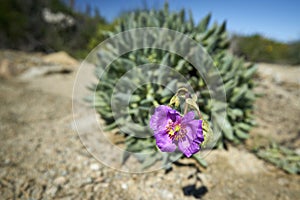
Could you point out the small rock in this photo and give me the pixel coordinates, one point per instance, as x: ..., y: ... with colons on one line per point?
x: 124, y: 186
x: 88, y: 188
x: 79, y: 158
x: 52, y: 191
x: 229, y: 191
x: 283, y: 181
x: 64, y: 173
x: 98, y: 174
x: 4, y: 69
x: 60, y: 58
x: 99, y: 179
x: 99, y: 186
x: 86, y: 181
x: 6, y: 161
x: 51, y: 173
x: 297, y: 151
x: 277, y: 79
x: 86, y: 162
x: 60, y: 180
x: 34, y: 72
x: 37, y: 192
x: 165, y: 194
x: 94, y: 167
x: 103, y: 185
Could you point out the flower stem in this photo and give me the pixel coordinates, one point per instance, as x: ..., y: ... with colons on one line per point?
x: 185, y: 108
x: 186, y: 105
x: 199, y: 114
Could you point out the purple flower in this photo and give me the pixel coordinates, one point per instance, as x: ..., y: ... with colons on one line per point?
x: 171, y: 130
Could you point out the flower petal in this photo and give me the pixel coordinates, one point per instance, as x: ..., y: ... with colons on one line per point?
x: 194, y: 131
x: 187, y: 147
x: 188, y: 117
x: 174, y: 115
x: 160, y: 118
x: 164, y: 142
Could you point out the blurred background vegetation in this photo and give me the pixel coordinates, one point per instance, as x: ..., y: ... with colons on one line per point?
x: 257, y: 48
x: 25, y: 26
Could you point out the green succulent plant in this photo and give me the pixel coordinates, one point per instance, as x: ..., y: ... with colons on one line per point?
x: 280, y: 156
x: 236, y: 81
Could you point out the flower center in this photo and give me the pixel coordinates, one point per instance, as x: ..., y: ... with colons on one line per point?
x: 175, y: 130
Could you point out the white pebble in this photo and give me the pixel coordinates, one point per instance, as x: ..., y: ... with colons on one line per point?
x: 95, y: 167
x: 124, y: 186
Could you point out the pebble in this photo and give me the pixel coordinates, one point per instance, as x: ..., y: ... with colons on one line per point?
x: 64, y: 173
x: 7, y: 161
x: 283, y: 181
x: 86, y: 162
x: 124, y: 186
x: 94, y: 167
x: 97, y: 187
x: 51, y: 173
x: 165, y: 194
x: 99, y: 179
x: 229, y: 191
x: 277, y: 79
x: 60, y: 180
x: 88, y: 180
x: 104, y: 184
x: 88, y: 188
x: 52, y: 191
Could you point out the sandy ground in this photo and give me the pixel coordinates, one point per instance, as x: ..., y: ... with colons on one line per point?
x: 42, y: 157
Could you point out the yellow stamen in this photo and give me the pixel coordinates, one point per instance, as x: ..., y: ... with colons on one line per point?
x: 177, y: 128
x: 171, y: 132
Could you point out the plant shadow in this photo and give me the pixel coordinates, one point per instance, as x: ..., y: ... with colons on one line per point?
x: 191, y: 190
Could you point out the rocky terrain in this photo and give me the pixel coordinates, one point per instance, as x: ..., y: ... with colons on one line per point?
x: 42, y: 157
